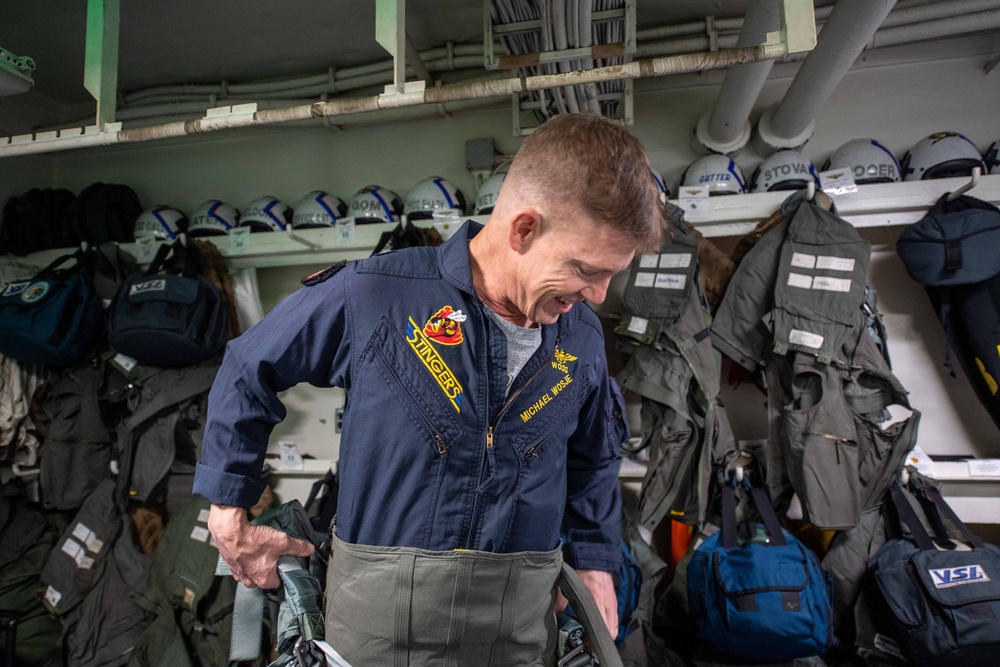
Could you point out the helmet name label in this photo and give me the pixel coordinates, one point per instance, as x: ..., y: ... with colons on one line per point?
x: 786, y: 170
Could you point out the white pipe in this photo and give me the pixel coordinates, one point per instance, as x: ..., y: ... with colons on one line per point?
x: 80, y: 138
x: 848, y: 29
x: 917, y: 32
x: 435, y: 54
x: 727, y: 129
x: 940, y: 10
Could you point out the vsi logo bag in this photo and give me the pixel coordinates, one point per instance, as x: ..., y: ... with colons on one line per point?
x: 168, y: 315
x: 52, y: 319
x: 945, y: 604
x: 761, y: 595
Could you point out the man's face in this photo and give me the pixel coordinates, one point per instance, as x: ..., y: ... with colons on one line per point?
x: 569, y: 261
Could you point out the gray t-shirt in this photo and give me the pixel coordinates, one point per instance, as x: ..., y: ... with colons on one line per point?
x: 521, y: 344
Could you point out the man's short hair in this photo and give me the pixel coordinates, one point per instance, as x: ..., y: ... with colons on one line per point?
x: 592, y: 163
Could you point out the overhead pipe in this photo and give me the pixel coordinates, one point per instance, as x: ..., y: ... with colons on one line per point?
x: 334, y: 109
x: 917, y: 32
x: 458, y: 57
x: 940, y: 10
x: 726, y: 128
x: 848, y: 29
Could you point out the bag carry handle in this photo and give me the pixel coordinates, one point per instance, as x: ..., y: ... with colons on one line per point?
x: 761, y: 503
x: 79, y: 256
x: 186, y: 256
x: 580, y: 598
x: 908, y: 517
x: 930, y: 494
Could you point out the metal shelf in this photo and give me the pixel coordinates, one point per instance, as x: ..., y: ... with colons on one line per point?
x: 880, y: 205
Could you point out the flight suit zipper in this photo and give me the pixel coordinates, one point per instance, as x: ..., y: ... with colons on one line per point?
x: 489, y: 441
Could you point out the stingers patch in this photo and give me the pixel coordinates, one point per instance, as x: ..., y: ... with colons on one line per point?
x: 421, y: 345
x: 445, y: 326
x: 560, y: 358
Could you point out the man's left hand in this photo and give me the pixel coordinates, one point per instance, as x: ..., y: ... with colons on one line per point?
x: 602, y: 587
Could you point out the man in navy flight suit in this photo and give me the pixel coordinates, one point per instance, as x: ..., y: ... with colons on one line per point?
x: 478, y: 421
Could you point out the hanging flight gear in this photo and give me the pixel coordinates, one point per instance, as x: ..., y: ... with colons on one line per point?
x: 756, y: 592
x: 952, y: 252
x: 31, y: 631
x: 299, y: 628
x: 104, y: 212
x: 675, y: 371
x: 796, y: 307
x: 945, y: 604
x: 53, y: 318
x: 193, y: 608
x: 168, y: 315
x: 77, y: 449
x: 33, y: 221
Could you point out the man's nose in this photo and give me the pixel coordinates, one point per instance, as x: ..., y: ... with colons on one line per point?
x: 597, y: 292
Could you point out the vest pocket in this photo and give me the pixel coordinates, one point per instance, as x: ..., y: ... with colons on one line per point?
x: 821, y: 443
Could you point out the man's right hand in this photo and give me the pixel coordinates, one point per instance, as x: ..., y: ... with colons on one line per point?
x: 252, y: 552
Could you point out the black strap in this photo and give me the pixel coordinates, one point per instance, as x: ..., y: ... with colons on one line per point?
x: 933, y: 496
x: 382, y: 242
x: 158, y: 259
x: 728, y: 517
x: 760, y: 501
x: 767, y: 515
x: 177, y: 258
x: 79, y: 256
x: 909, y: 518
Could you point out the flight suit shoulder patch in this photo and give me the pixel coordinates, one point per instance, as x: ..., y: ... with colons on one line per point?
x: 324, y: 274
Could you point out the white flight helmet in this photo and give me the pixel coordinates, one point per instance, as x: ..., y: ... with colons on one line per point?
x: 661, y: 185
x: 941, y: 155
x: 719, y: 173
x: 266, y: 214
x: 488, y: 193
x: 992, y: 158
x: 160, y: 222
x: 213, y: 218
x: 374, y: 203
x: 785, y: 170
x: 868, y: 160
x: 318, y: 209
x: 433, y: 194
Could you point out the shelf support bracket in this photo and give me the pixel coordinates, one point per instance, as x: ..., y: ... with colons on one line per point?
x: 100, y: 69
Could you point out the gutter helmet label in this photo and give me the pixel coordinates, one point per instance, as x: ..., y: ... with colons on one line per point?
x: 947, y: 577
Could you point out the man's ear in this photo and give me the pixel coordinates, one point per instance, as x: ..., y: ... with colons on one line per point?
x: 524, y: 229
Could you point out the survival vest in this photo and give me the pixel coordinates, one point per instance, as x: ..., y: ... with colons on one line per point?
x: 796, y: 307
x: 675, y: 371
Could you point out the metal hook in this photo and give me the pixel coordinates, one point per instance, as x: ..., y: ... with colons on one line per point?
x: 810, y: 190
x: 295, y: 237
x: 968, y: 186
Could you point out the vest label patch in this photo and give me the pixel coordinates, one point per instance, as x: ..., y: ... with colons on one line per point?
x: 806, y: 338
